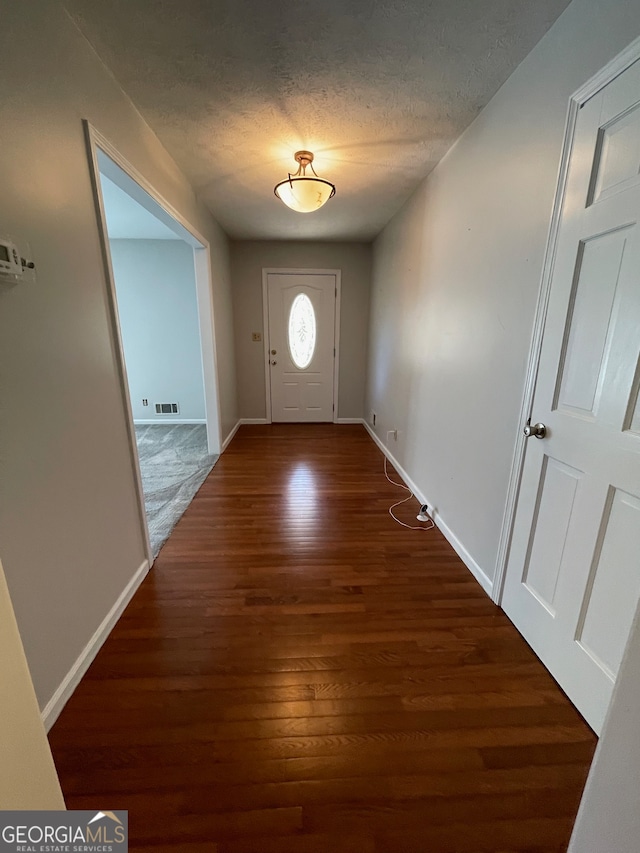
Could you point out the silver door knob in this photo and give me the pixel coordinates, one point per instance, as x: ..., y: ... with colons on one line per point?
x: 274, y: 362
x: 539, y: 430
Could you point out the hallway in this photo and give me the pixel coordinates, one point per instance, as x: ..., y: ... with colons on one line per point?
x: 300, y: 674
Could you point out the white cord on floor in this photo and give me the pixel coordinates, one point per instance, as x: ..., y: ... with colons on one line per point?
x: 403, y: 501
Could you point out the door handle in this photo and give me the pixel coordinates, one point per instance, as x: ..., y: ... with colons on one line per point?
x: 274, y: 362
x: 538, y: 430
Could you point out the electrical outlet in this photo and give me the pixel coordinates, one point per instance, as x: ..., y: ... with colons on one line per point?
x: 145, y: 402
x: 256, y: 336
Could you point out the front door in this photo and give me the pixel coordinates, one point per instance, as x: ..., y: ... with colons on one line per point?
x: 301, y: 346
x: 573, y: 578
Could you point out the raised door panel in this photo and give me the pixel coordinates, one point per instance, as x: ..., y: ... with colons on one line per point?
x: 617, y: 165
x: 613, y: 588
x: 552, y: 519
x: 589, y: 321
x: 632, y: 423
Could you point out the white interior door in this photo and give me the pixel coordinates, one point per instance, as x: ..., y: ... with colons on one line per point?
x: 301, y: 342
x: 573, y: 578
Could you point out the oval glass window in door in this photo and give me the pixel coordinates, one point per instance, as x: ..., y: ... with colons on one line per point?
x: 302, y: 331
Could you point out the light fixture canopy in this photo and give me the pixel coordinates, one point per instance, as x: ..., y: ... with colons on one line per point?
x: 301, y: 192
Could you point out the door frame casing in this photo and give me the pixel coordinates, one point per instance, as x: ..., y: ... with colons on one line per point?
x: 266, y: 272
x: 202, y: 268
x: 611, y: 70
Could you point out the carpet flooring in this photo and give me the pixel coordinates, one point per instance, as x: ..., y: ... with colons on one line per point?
x: 174, y: 463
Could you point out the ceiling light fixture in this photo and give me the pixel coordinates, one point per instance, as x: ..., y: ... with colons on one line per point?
x: 301, y: 192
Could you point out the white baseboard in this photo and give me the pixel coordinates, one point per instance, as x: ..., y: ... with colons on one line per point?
x: 482, y: 578
x: 485, y: 582
x: 239, y: 423
x: 59, y: 699
x: 164, y: 420
x: 228, y: 439
x: 242, y: 421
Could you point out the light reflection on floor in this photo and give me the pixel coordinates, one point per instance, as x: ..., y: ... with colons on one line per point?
x: 302, y: 505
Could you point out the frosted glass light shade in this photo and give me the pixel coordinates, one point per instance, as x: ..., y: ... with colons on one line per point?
x: 301, y: 192
x: 304, y: 194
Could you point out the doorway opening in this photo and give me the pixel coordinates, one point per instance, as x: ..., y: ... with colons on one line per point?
x: 159, y: 289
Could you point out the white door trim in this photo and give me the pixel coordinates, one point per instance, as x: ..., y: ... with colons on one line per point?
x: 202, y: 262
x: 266, y: 271
x: 610, y: 71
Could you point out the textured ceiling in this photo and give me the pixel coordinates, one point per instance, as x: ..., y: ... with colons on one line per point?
x: 377, y: 89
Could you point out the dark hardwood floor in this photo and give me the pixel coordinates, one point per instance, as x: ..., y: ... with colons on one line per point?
x: 300, y: 674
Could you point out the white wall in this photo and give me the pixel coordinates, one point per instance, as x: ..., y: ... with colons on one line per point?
x: 456, y: 275
x: 158, y: 309
x: 69, y: 527
x: 28, y: 778
x: 247, y: 261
